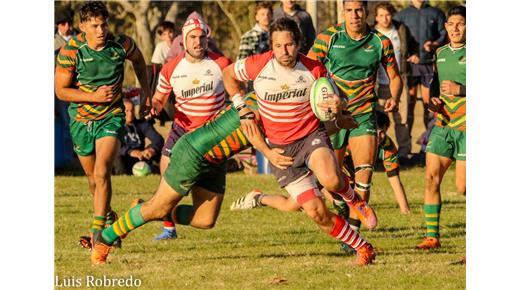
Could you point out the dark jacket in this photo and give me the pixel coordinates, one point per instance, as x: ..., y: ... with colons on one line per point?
x: 135, y: 137
x: 304, y: 21
x: 426, y: 23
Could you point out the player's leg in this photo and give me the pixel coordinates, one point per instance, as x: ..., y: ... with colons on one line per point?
x: 363, y: 151
x: 323, y: 164
x: 159, y: 206
x: 106, y: 150
x: 87, y: 163
x: 412, y: 100
x: 257, y: 198
x: 305, y: 192
x: 168, y: 231
x: 204, y: 212
x: 460, y: 176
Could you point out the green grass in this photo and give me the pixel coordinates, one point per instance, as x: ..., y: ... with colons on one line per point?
x: 264, y: 248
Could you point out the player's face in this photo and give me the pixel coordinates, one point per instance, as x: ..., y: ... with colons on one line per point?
x: 456, y: 28
x: 129, y: 112
x: 355, y: 16
x: 96, y: 30
x: 196, y: 43
x: 383, y: 18
x: 285, y: 50
x: 263, y: 17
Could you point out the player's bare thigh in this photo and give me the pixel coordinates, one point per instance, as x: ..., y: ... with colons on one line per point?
x: 206, y: 207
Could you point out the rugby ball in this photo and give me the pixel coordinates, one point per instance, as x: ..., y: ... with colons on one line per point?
x: 320, y: 90
x: 141, y: 168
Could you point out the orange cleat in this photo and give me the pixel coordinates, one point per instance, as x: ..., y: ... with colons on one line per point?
x: 99, y: 251
x: 365, y: 213
x: 429, y: 243
x: 365, y: 255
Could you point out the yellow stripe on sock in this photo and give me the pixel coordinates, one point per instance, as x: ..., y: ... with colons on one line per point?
x: 117, y: 230
x: 128, y: 221
x: 431, y: 215
x: 431, y: 231
x: 432, y: 223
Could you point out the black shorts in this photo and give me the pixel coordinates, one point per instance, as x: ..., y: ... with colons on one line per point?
x: 175, y: 134
x: 301, y: 151
x: 421, y: 74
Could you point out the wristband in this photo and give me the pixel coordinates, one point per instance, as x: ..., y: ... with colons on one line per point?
x: 238, y: 102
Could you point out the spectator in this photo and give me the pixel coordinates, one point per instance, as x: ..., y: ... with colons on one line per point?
x: 64, y: 29
x: 165, y: 31
x: 178, y: 45
x: 426, y: 25
x: 133, y: 147
x: 256, y: 40
x: 401, y: 39
x: 293, y: 11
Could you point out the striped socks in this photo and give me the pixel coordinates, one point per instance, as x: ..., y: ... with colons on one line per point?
x: 343, y: 232
x: 129, y: 221
x: 432, y: 215
x: 97, y: 224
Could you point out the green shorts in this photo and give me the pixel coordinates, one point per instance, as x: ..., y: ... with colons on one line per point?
x: 367, y: 126
x: 85, y: 134
x: 447, y: 142
x: 188, y: 168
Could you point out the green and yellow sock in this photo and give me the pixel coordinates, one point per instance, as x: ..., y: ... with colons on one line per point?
x: 111, y: 217
x: 131, y: 220
x: 97, y: 224
x: 432, y: 215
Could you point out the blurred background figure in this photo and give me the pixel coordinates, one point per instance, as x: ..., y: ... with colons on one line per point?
x: 291, y: 10
x: 165, y: 31
x: 134, y: 148
x: 256, y: 40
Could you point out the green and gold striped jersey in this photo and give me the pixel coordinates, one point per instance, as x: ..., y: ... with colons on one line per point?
x: 221, y: 138
x: 94, y: 68
x: 451, y: 65
x: 353, y: 64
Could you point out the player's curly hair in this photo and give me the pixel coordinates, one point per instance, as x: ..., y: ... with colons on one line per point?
x: 457, y: 10
x: 92, y: 9
x: 286, y: 24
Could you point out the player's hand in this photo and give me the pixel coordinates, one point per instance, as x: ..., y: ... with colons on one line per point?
x: 104, y: 94
x: 435, y: 104
x: 413, y: 59
x: 332, y: 104
x: 450, y: 88
x: 149, y: 112
x: 391, y: 105
x: 279, y: 160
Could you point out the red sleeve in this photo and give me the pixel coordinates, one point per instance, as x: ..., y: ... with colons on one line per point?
x: 247, y: 69
x: 163, y: 85
x: 317, y: 69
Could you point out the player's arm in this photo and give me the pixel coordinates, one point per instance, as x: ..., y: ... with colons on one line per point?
x: 399, y: 193
x: 452, y: 88
x: 396, y: 87
x: 63, y: 80
x: 137, y: 59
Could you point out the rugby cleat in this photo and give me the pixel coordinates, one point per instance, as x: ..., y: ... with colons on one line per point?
x: 429, y: 243
x: 167, y: 234
x: 85, y: 242
x: 365, y: 255
x: 249, y: 201
x: 99, y: 251
x: 364, y: 213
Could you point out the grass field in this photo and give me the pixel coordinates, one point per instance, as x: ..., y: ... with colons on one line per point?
x: 263, y: 248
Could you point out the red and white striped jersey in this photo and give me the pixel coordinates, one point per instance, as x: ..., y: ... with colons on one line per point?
x: 282, y: 94
x: 198, y: 88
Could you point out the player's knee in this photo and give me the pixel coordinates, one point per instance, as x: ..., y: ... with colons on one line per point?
x: 432, y: 179
x: 331, y: 182
x: 205, y: 224
x: 101, y: 174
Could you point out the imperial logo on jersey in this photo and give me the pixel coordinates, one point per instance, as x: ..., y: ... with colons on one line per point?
x: 198, y: 88
x: 204, y: 88
x: 275, y: 97
x: 283, y: 94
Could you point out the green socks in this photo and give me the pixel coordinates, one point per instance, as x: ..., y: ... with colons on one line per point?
x: 432, y: 215
x: 129, y: 221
